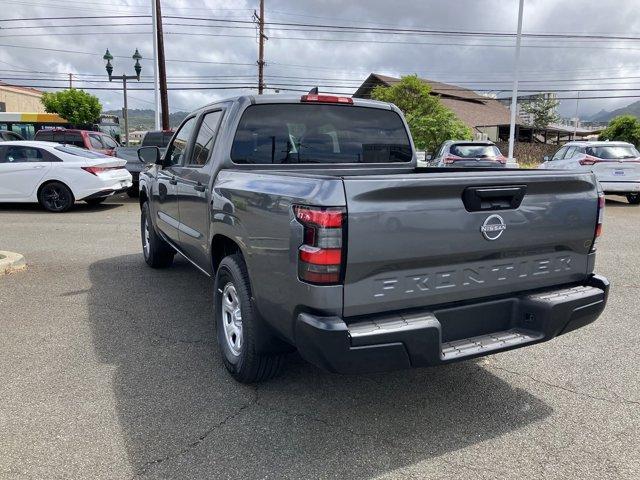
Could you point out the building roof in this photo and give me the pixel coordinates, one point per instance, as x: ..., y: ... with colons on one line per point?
x: 471, y: 108
x: 19, y: 89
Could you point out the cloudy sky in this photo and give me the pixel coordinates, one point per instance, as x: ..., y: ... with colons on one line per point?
x: 210, y: 57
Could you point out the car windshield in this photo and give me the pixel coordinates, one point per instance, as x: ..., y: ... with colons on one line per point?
x: 157, y: 139
x: 319, y: 133
x: 613, y: 152
x: 474, y: 151
x: 79, y: 152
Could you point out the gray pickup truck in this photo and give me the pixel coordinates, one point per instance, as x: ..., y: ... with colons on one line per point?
x: 323, y: 236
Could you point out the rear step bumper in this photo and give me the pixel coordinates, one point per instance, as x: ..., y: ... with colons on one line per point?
x: 444, y: 335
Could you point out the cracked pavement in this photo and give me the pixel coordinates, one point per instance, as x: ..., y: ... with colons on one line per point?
x: 109, y: 371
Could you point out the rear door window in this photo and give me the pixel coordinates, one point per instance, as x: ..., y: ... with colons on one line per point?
x: 312, y: 133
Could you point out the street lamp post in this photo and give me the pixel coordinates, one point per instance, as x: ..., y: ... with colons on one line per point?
x: 138, y: 68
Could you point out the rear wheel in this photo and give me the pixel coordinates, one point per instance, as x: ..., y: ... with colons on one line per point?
x: 633, y: 198
x: 95, y: 201
x: 56, y: 197
x: 157, y: 253
x: 236, y: 325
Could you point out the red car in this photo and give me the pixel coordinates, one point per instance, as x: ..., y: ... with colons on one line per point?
x: 95, y: 141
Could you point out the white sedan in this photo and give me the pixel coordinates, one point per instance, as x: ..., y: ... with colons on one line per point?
x: 616, y: 165
x: 57, y: 175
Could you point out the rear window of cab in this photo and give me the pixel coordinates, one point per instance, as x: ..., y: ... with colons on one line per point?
x: 319, y: 134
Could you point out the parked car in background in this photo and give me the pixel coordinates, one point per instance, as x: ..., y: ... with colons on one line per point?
x: 155, y: 138
x: 311, y: 216
x: 94, y: 141
x: 616, y: 165
x: 7, y: 136
x: 464, y: 153
x: 56, y: 175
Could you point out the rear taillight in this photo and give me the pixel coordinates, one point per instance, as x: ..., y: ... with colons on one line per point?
x: 589, y: 160
x: 600, y: 219
x: 326, y: 99
x: 97, y: 170
x: 321, y: 256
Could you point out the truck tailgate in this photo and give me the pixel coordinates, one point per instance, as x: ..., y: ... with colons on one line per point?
x: 424, y: 239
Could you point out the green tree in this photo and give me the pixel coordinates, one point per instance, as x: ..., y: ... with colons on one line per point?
x: 624, y: 128
x: 430, y: 122
x: 543, y: 111
x: 76, y: 106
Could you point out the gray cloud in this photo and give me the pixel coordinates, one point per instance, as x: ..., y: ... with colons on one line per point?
x: 441, y: 59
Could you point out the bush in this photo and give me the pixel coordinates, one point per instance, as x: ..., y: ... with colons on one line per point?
x: 76, y: 106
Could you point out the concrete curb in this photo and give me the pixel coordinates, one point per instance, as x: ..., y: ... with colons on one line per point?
x: 11, y: 262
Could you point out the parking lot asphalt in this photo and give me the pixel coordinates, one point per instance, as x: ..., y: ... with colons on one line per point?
x: 108, y: 370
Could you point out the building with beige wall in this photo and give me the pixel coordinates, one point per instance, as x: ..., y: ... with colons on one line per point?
x: 20, y: 99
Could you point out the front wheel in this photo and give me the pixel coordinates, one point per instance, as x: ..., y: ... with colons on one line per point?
x: 236, y: 325
x: 157, y: 253
x: 633, y: 198
x: 56, y: 197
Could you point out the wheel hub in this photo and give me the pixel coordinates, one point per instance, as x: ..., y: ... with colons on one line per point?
x: 232, y: 318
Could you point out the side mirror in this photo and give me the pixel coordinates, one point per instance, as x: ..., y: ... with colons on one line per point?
x: 546, y: 158
x: 150, y: 155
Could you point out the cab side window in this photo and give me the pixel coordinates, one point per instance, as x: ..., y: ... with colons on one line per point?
x: 205, y: 139
x: 177, y: 148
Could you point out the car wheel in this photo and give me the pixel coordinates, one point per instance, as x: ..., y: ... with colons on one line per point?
x: 236, y: 325
x: 56, y: 197
x: 633, y: 198
x: 95, y: 201
x: 157, y: 253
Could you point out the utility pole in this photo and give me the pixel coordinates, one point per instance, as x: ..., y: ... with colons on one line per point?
x: 156, y: 91
x: 514, y: 93
x: 164, y: 100
x: 70, y: 81
x: 261, y: 38
x: 575, y: 127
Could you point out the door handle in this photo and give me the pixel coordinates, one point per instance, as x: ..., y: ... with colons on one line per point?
x: 476, y: 199
x: 173, y: 181
x: 199, y: 187
x: 37, y: 167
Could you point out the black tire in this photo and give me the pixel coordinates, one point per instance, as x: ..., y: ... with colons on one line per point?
x: 246, y: 365
x: 55, y: 197
x: 133, y: 191
x: 157, y: 253
x: 633, y: 198
x: 95, y: 201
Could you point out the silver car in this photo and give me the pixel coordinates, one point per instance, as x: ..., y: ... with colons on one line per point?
x: 465, y: 153
x: 616, y: 165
